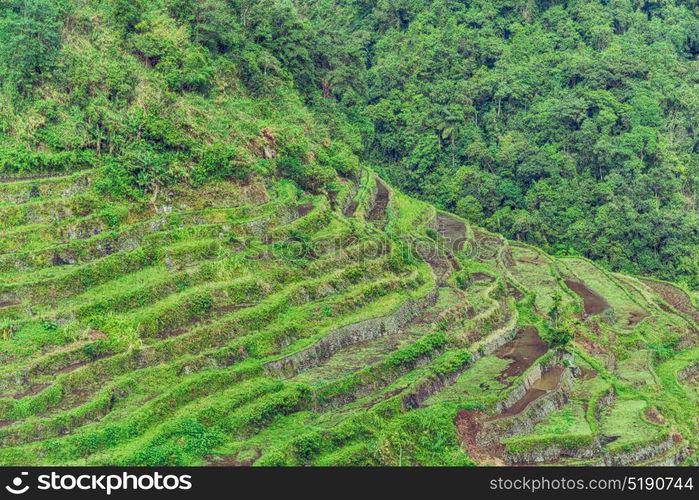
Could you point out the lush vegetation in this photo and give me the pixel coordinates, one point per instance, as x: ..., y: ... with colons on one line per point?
x: 219, y: 240
x: 571, y: 125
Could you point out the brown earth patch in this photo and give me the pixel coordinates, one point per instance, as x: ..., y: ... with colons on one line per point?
x: 441, y: 266
x: 593, y: 302
x: 231, y: 460
x: 21, y: 178
x: 536, y: 260
x: 378, y: 211
x: 608, y: 439
x: 74, y: 366
x: 453, y: 230
x: 486, y: 245
x: 653, y: 415
x: 214, y: 312
x: 524, y: 349
x: 675, y: 297
x: 529, y: 397
x: 482, y: 277
x: 515, y: 292
x: 550, y: 379
x: 305, y: 209
x: 351, y: 208
x: 383, y: 396
x: 548, y: 382
x: 636, y: 317
x: 587, y: 373
x: 31, y: 391
x: 508, y: 259
x: 468, y: 424
x: 9, y: 303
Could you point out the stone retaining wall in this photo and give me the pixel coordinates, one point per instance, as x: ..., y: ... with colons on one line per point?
x: 350, y: 334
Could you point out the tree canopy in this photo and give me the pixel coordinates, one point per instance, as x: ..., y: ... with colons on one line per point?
x: 572, y: 125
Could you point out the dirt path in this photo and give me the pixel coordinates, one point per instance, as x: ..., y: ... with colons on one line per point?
x: 594, y: 303
x: 31, y: 391
x: 524, y: 349
x: 441, y: 266
x: 378, y: 211
x: 74, y: 366
x: 22, y: 178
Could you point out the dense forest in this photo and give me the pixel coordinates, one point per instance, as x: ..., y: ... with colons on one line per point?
x: 349, y: 232
x: 572, y: 125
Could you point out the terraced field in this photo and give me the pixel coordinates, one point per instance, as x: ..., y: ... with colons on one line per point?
x: 259, y: 325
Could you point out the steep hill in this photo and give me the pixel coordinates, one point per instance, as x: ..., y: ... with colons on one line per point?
x: 199, y: 263
x: 255, y: 323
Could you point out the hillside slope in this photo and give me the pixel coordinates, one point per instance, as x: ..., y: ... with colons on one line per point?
x: 198, y: 266
x: 249, y: 322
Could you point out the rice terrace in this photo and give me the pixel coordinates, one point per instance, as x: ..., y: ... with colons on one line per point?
x: 211, y: 252
x: 259, y: 324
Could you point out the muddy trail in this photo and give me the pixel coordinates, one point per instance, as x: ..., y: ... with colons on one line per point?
x: 378, y: 211
x: 593, y: 302
x: 524, y: 349
x: 673, y: 296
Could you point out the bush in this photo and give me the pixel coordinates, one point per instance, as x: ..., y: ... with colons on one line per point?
x: 220, y: 161
x: 292, y: 164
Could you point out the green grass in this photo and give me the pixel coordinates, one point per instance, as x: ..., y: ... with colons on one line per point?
x: 99, y: 384
x: 623, y: 419
x: 569, y: 420
x: 476, y: 386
